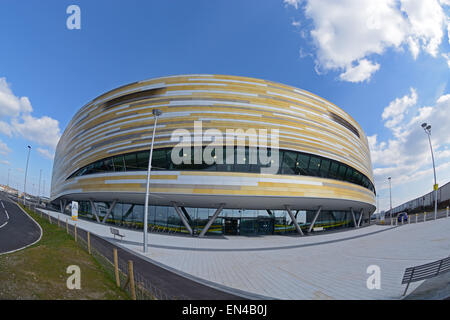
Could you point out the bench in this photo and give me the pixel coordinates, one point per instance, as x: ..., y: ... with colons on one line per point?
x: 425, y: 271
x: 115, y: 232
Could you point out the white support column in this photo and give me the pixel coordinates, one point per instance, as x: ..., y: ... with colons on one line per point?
x: 360, y: 217
x: 183, y: 218
x: 354, y: 219
x: 94, y: 210
x: 299, y: 230
x: 111, y: 208
x: 314, y: 220
x: 62, y: 204
x: 210, y: 222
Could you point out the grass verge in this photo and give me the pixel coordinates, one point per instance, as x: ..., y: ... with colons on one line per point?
x: 39, y: 271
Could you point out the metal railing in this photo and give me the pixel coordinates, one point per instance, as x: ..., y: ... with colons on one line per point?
x: 425, y: 271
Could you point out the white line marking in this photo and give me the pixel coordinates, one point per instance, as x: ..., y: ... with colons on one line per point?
x: 7, y: 216
x: 40, y: 236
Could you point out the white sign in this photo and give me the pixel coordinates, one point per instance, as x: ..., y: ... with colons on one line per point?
x: 74, y: 210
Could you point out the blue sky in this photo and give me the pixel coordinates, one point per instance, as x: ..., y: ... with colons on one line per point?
x: 369, y: 57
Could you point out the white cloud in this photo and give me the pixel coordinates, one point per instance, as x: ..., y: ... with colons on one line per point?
x: 447, y: 57
x: 44, y: 130
x: 46, y: 153
x: 406, y: 156
x: 395, y: 112
x: 293, y: 3
x: 5, y: 162
x: 350, y: 32
x: 10, y: 105
x: 360, y: 72
x: 4, y: 150
x: 426, y: 20
x: 6, y: 129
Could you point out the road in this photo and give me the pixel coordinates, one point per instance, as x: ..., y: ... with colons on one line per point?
x: 17, y: 229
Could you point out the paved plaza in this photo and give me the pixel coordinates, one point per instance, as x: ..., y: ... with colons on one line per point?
x: 325, y: 266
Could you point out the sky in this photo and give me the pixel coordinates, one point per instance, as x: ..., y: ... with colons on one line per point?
x: 385, y: 62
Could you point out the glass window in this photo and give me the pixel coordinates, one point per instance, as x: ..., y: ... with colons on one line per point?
x: 342, y: 171
x: 142, y: 160
x: 119, y: 164
x: 334, y: 168
x: 130, y: 162
x: 324, y: 167
x: 159, y: 160
x: 314, y: 166
x: 288, y: 166
x: 303, y: 163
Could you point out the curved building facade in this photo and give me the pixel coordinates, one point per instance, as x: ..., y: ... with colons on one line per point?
x: 316, y: 173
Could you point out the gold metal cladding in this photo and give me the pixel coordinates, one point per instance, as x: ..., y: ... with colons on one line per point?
x: 111, y: 125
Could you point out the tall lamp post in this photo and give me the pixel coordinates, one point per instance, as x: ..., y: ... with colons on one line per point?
x: 156, y: 113
x: 427, y: 128
x: 390, y: 198
x: 26, y: 171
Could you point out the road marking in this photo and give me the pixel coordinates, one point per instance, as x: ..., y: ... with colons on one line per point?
x: 3, y: 205
x: 7, y: 216
x: 4, y: 224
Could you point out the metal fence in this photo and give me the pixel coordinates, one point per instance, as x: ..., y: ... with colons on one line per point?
x: 425, y: 271
x: 138, y: 285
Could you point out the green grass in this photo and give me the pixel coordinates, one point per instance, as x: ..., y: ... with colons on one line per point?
x: 39, y: 271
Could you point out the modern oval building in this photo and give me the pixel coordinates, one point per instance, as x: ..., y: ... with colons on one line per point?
x: 292, y: 161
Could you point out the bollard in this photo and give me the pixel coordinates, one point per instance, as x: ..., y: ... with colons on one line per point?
x: 75, y: 232
x: 416, y: 216
x: 424, y: 216
x: 49, y: 220
x: 447, y: 212
x: 67, y: 226
x: 58, y: 220
x: 409, y: 220
x: 131, y: 277
x: 116, y: 267
x: 89, y: 242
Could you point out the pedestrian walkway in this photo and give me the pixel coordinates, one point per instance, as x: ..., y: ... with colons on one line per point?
x: 327, y: 266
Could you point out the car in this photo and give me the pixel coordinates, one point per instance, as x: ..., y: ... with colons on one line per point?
x: 402, y: 216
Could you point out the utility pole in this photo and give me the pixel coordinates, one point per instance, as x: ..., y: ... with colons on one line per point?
x: 25, y: 183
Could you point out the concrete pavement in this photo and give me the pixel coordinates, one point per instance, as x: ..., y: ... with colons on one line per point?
x: 327, y: 266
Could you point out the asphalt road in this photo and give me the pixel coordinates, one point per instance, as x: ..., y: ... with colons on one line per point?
x: 17, y: 229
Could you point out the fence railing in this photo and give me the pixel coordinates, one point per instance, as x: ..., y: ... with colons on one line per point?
x: 138, y: 285
x: 425, y: 271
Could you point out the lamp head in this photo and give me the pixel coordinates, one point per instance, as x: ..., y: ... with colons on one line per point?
x: 428, y: 127
x: 424, y: 125
x: 156, y: 112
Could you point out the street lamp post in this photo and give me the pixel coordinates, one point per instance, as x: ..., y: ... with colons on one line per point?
x: 390, y: 198
x: 156, y: 113
x: 39, y: 188
x: 25, y: 183
x: 427, y: 128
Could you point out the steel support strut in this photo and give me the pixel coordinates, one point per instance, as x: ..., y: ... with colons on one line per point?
x: 110, y: 209
x: 360, y: 217
x: 182, y: 217
x: 210, y: 222
x: 299, y: 230
x: 314, y: 220
x: 94, y: 210
x: 354, y: 219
